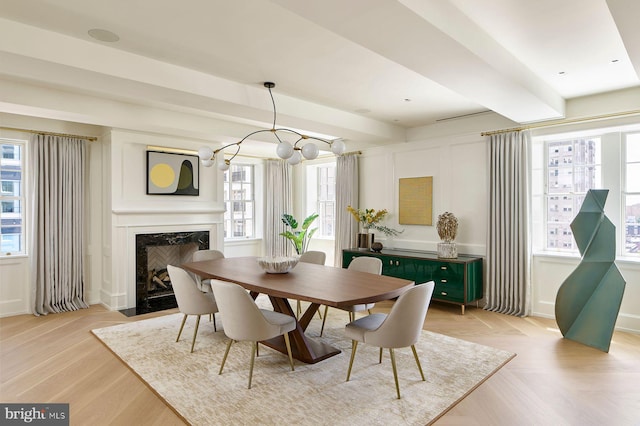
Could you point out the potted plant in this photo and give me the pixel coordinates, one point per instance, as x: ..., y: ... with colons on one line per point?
x: 299, y: 238
x: 370, y: 219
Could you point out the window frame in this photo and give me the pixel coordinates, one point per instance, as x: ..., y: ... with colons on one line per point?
x: 229, y: 201
x: 612, y: 172
x: 22, y: 198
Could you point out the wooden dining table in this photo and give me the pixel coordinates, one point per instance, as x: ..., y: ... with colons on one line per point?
x: 317, y: 284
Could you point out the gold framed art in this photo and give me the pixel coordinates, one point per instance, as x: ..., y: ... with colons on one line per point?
x: 415, y: 198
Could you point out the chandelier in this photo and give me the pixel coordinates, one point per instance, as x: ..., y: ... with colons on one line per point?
x: 293, y: 153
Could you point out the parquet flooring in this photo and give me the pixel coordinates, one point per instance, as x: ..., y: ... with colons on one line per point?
x: 552, y: 381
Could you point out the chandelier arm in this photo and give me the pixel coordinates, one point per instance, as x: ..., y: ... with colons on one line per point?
x: 237, y: 151
x: 302, y: 136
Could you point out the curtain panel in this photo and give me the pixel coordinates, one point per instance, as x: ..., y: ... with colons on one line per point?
x: 57, y: 223
x: 508, y: 243
x: 347, y: 193
x: 279, y: 200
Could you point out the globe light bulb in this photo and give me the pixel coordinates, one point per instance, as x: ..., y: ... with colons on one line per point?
x: 338, y: 147
x: 310, y: 151
x: 205, y: 153
x: 284, y: 150
x: 295, y: 158
x: 207, y: 163
x: 224, y: 165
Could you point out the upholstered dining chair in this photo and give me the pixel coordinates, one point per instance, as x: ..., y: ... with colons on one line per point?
x: 201, y: 255
x: 400, y: 329
x: 191, y: 301
x: 369, y: 264
x: 244, y: 321
x: 317, y: 257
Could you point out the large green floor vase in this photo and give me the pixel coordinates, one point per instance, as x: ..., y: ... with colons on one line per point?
x: 588, y: 301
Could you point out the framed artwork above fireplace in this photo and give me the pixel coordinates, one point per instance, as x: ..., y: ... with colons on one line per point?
x: 172, y: 174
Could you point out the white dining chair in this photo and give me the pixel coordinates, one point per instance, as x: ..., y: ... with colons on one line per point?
x: 191, y: 301
x: 368, y: 264
x: 400, y: 329
x: 242, y: 320
x: 201, y: 255
x: 318, y: 258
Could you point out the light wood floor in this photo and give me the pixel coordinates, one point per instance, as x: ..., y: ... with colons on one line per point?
x: 552, y: 381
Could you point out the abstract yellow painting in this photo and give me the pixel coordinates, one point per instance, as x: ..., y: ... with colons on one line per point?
x: 416, y: 198
x: 172, y: 174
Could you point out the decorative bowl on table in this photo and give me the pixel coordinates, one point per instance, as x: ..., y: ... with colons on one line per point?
x: 278, y: 264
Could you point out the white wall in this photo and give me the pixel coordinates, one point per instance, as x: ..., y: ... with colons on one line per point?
x: 458, y: 167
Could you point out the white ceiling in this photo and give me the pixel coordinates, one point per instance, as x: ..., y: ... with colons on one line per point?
x: 358, y: 69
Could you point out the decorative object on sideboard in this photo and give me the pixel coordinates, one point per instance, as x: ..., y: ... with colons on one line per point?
x: 370, y: 219
x: 299, y: 238
x: 377, y: 246
x: 292, y: 152
x: 447, y: 229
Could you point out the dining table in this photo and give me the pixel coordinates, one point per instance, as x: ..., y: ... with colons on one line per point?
x: 316, y: 284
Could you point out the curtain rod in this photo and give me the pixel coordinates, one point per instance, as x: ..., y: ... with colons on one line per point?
x: 64, y: 135
x: 562, y: 122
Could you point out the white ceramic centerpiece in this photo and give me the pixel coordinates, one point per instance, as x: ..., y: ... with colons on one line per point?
x: 278, y: 264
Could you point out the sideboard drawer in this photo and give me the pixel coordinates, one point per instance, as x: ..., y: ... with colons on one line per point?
x: 446, y: 290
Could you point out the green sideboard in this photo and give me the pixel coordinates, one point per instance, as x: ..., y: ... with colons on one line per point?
x: 458, y: 281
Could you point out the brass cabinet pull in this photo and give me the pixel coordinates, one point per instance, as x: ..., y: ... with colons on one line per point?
x: 443, y: 293
x: 443, y: 281
x: 444, y: 268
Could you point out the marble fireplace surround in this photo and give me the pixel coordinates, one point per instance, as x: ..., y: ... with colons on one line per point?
x: 153, y: 252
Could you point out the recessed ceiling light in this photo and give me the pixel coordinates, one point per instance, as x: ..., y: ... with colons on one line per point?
x: 615, y: 60
x: 561, y: 73
x: 407, y: 100
x: 103, y: 35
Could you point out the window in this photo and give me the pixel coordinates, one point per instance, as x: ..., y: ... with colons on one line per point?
x: 565, y: 167
x: 631, y: 194
x: 326, y: 200
x: 12, y: 198
x: 239, y: 215
x: 573, y: 167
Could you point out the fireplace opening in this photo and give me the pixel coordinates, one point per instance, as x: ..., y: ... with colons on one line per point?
x: 154, y: 252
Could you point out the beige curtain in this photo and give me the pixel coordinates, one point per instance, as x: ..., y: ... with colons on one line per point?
x: 279, y: 200
x: 508, y: 249
x: 347, y: 192
x: 57, y: 222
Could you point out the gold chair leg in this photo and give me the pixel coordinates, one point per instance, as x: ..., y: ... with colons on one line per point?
x: 298, y: 309
x: 184, y: 319
x: 326, y: 308
x: 352, y: 316
x: 415, y: 355
x: 369, y: 310
x: 257, y: 349
x: 380, y: 361
x: 195, y: 333
x: 354, y: 346
x: 253, y: 357
x: 215, y: 328
x: 395, y: 371
x: 224, y: 358
x: 288, y: 344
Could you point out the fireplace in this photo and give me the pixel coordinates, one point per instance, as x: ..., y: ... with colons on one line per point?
x: 153, y: 253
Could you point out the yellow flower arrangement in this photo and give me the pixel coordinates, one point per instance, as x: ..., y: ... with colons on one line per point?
x: 370, y: 218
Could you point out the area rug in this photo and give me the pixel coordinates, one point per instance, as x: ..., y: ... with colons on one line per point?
x: 313, y: 394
